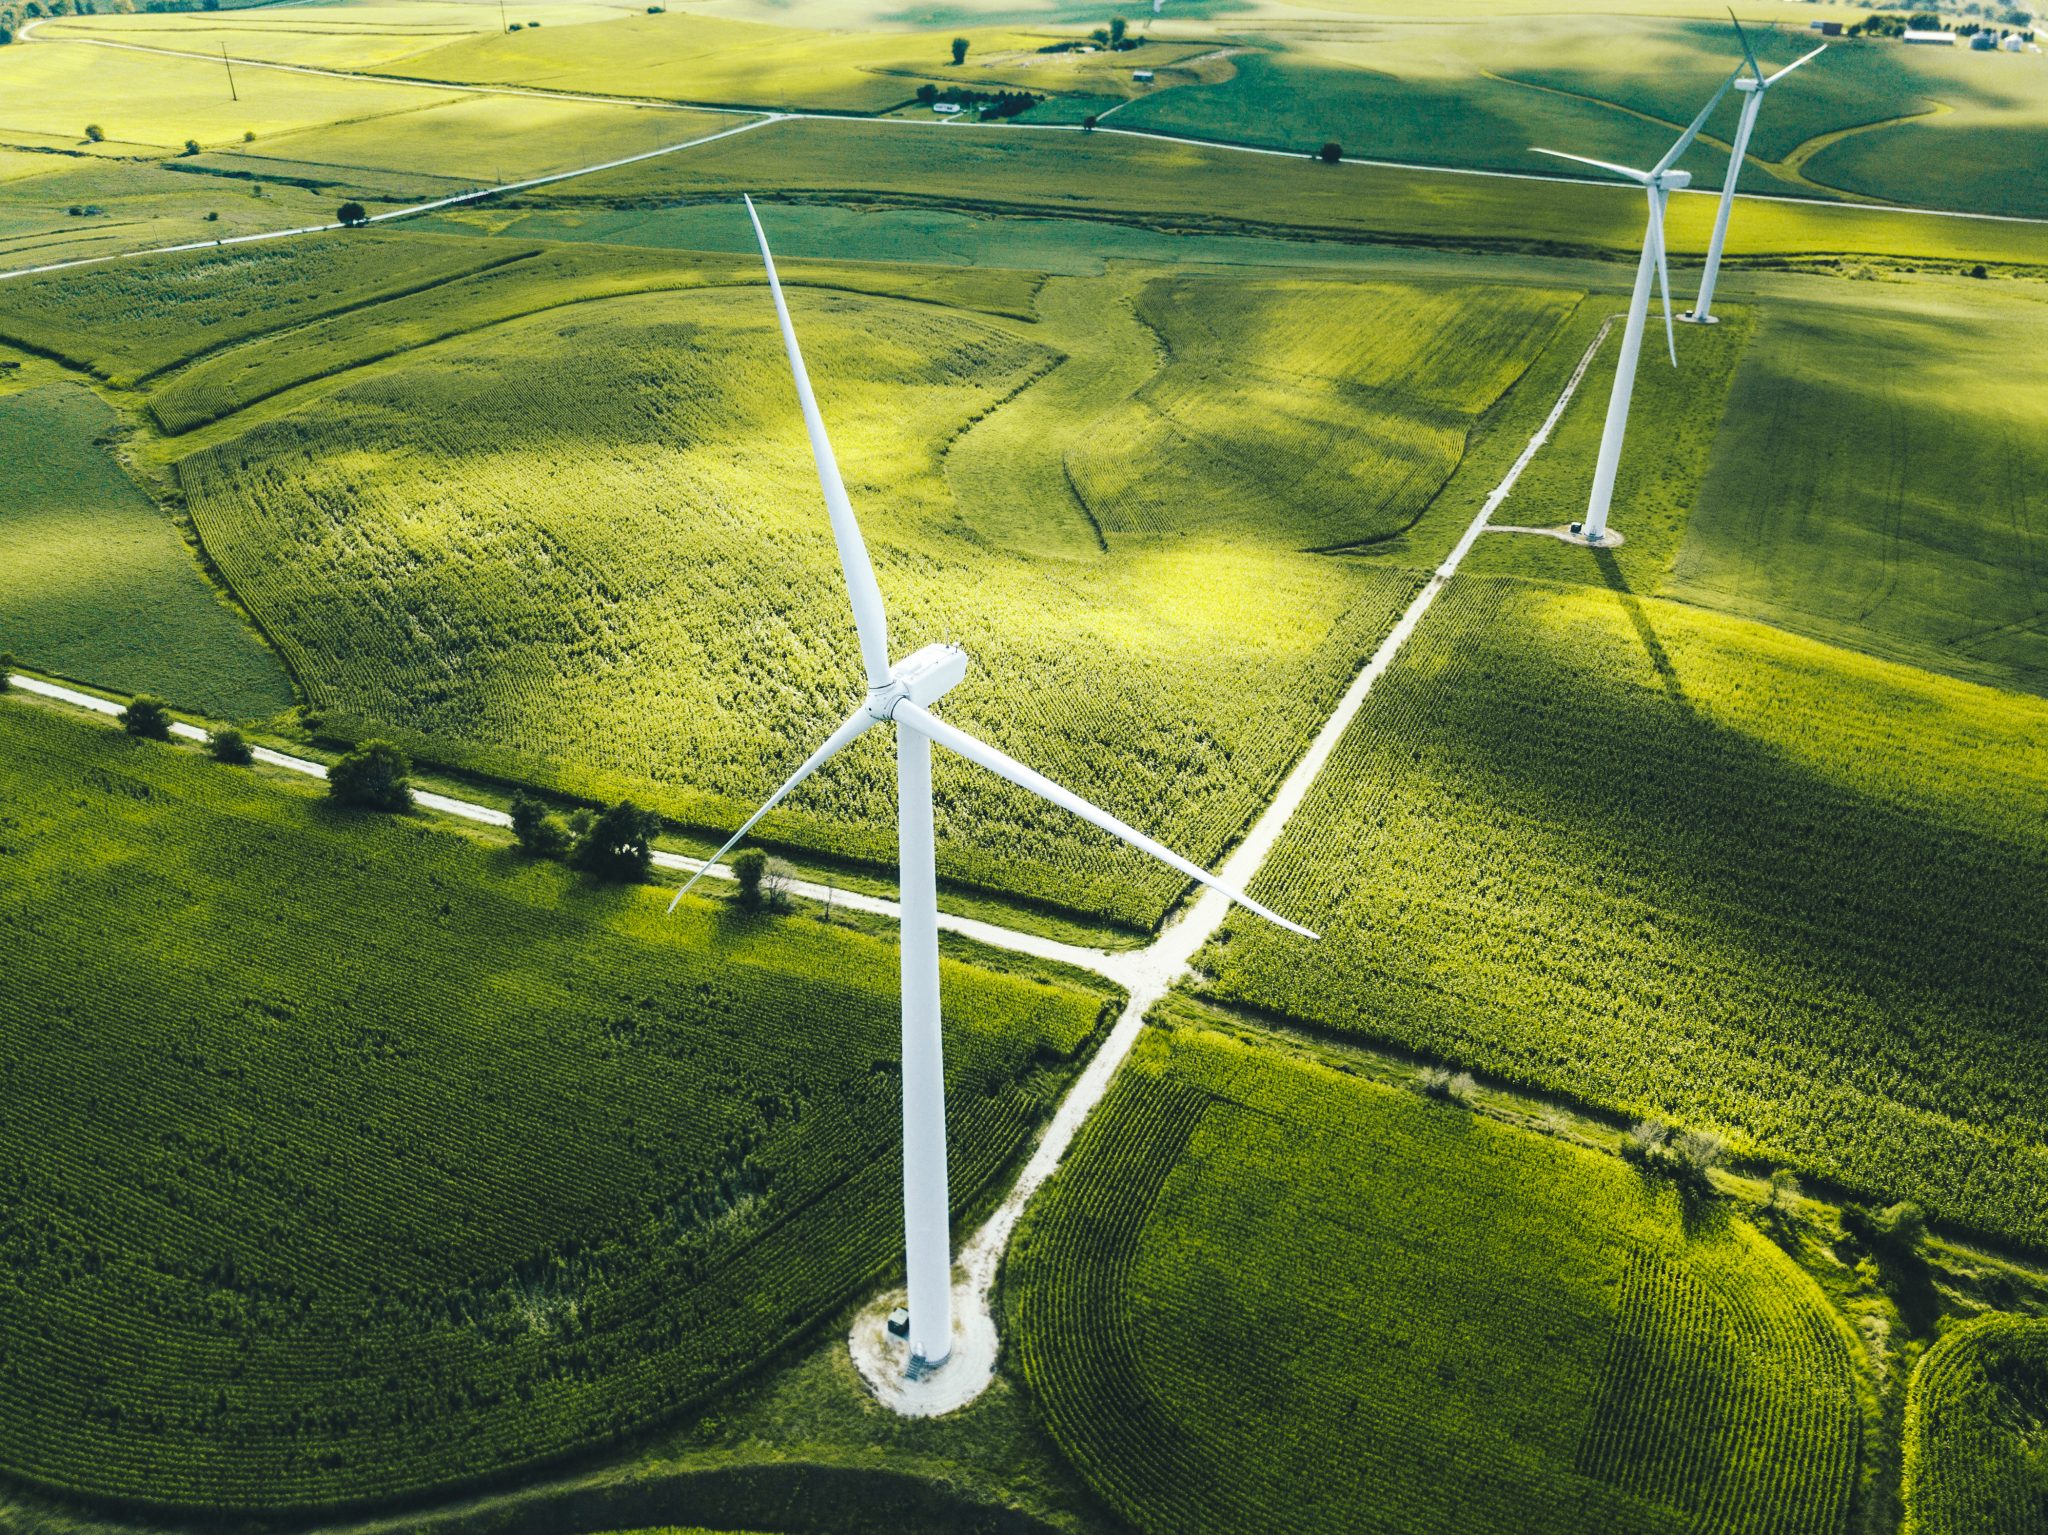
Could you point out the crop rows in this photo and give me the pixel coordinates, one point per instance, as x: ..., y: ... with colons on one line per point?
x: 1722, y: 1400
x: 585, y: 547
x: 347, y: 1159
x: 1307, y: 413
x: 1262, y: 1295
x: 1976, y: 1422
x: 1686, y: 866
x: 490, y: 587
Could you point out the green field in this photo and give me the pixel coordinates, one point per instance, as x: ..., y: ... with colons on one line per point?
x: 349, y: 1157
x: 1132, y: 179
x: 1263, y: 1294
x: 414, y: 564
x: 1977, y: 1432
x: 1877, y: 480
x: 95, y: 580
x: 1683, y: 865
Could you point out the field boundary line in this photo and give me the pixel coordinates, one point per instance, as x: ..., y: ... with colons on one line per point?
x: 1148, y: 974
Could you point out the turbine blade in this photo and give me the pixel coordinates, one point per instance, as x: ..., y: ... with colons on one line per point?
x: 1685, y: 139
x: 1002, y: 765
x: 1747, y: 52
x: 856, y: 726
x: 870, y: 619
x: 1605, y: 165
x: 1806, y: 59
x: 1663, y: 269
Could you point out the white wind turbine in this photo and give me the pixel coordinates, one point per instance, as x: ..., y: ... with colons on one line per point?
x: 1659, y: 182
x: 1702, y: 311
x: 900, y: 694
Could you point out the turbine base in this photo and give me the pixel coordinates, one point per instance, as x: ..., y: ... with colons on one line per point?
x: 1692, y: 318
x: 915, y: 1387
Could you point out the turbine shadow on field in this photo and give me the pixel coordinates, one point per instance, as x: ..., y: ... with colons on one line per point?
x: 1660, y: 658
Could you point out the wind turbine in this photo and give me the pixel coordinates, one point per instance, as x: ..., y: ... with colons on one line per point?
x: 1753, y: 90
x: 1659, y: 182
x: 900, y: 695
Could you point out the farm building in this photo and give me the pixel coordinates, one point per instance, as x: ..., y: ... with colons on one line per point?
x: 2012, y: 43
x: 1825, y: 28
x: 1930, y: 37
x: 1983, y: 42
x: 946, y: 108
x: 1141, y: 74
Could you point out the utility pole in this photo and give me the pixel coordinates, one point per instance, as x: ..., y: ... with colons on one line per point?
x: 504, y: 22
x: 224, y: 64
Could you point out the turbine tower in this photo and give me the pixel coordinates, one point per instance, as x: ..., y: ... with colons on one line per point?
x: 901, y: 694
x: 1753, y: 88
x: 1659, y: 183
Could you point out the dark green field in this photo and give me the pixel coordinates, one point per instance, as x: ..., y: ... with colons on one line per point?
x: 347, y: 1157
x: 1263, y: 1294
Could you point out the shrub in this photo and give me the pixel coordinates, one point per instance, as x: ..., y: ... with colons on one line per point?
x: 373, y: 777
x: 6, y: 670
x: 1779, y: 1195
x: 776, y: 882
x: 1331, y: 153
x: 538, y: 833
x: 147, y: 716
x: 618, y: 843
x: 354, y: 215
x: 95, y: 133
x: 1088, y: 123
x: 927, y: 93
x: 213, y: 218
x: 191, y: 146
x: 959, y: 50
x: 248, y: 135
x: 1446, y: 1087
x: 228, y: 746
x: 750, y: 868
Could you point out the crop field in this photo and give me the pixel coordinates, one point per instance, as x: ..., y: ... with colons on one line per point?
x: 95, y: 581
x: 1313, y: 414
x: 1875, y: 119
x: 415, y: 574
x: 699, y: 58
x: 1976, y: 1420
x: 1262, y: 1294
x: 150, y: 104
x: 445, y: 147
x: 1878, y: 481
x: 1683, y: 865
x: 1132, y: 179
x: 346, y: 1156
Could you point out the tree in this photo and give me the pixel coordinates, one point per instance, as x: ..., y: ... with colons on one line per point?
x: 619, y: 844
x: 927, y: 93
x: 1331, y: 153
x: 375, y: 776
x: 959, y: 50
x: 776, y: 882
x: 147, y: 716
x: 538, y: 833
x: 6, y: 670
x: 1117, y: 28
x: 353, y: 215
x: 191, y: 146
x: 248, y: 135
x: 749, y: 868
x: 1088, y: 123
x: 95, y: 133
x: 229, y: 746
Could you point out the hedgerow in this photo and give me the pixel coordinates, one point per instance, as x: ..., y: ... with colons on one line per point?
x: 1261, y: 1294
x: 342, y: 1158
x: 1976, y: 1421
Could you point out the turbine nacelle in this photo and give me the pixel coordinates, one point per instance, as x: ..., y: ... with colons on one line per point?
x: 1671, y: 181
x: 923, y: 677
